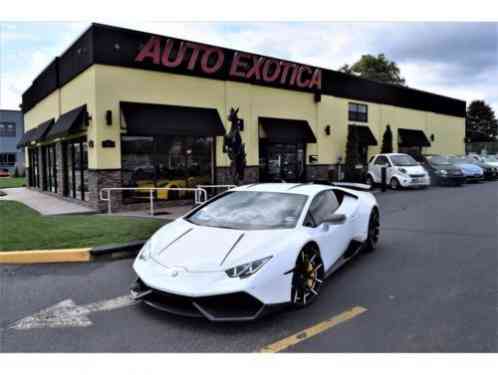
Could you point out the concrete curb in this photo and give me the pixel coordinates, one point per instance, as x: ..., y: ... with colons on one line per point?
x: 106, y: 252
x: 45, y: 256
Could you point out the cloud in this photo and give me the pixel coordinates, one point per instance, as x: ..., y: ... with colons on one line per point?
x: 453, y: 59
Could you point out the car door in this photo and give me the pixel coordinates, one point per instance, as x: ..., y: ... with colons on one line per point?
x: 380, y: 162
x: 333, y: 239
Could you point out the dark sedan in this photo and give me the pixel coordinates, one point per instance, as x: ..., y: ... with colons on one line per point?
x: 442, y: 171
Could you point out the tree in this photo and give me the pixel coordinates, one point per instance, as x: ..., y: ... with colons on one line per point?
x: 481, y: 124
x: 352, y: 158
x: 387, y: 141
x: 377, y: 68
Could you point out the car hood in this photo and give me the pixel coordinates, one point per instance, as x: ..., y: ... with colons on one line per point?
x: 445, y: 167
x: 414, y: 169
x: 205, y: 249
x: 468, y: 167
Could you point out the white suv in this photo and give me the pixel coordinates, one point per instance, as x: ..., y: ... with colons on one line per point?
x: 401, y: 171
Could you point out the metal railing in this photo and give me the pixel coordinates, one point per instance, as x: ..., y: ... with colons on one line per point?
x: 226, y: 187
x: 200, y: 195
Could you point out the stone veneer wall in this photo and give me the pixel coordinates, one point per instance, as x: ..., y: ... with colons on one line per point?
x: 223, y: 177
x: 319, y: 172
x: 104, y: 178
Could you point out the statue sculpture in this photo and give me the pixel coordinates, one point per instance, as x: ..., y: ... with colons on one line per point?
x: 233, y: 146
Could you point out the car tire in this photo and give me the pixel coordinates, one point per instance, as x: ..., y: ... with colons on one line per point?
x: 307, y: 277
x: 373, y: 232
x: 370, y: 181
x: 394, y: 183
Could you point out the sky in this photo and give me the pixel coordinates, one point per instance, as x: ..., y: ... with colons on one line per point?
x: 459, y: 60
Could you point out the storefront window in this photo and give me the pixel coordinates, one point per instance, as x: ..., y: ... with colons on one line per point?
x: 165, y: 161
x: 49, y: 168
x: 34, y: 171
x: 76, y: 165
x: 279, y: 161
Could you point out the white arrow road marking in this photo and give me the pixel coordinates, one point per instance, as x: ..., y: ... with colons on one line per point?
x: 67, y: 314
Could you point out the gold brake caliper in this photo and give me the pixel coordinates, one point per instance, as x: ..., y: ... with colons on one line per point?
x: 311, y: 276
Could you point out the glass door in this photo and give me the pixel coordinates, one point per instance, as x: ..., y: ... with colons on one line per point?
x: 282, y: 162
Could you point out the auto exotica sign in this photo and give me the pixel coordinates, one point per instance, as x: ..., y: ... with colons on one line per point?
x: 211, y: 61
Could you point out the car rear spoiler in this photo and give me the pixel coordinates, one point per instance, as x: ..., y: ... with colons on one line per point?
x: 346, y: 185
x: 353, y: 186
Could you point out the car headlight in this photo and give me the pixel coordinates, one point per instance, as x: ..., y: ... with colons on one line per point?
x: 403, y: 170
x: 443, y: 172
x: 146, y: 251
x: 247, y: 269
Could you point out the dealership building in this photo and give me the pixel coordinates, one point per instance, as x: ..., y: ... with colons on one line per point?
x: 123, y: 108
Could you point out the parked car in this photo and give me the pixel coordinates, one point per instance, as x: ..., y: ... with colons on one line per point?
x: 490, y: 171
x: 402, y: 170
x: 442, y: 171
x: 254, y: 249
x: 472, y: 172
x: 491, y: 160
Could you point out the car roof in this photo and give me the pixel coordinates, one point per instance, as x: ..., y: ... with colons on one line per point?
x: 392, y: 154
x: 308, y: 188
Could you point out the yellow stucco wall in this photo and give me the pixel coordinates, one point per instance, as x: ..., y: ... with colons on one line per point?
x: 79, y: 91
x: 103, y: 87
x: 45, y: 110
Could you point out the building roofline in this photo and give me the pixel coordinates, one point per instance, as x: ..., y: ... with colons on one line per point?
x: 350, y: 77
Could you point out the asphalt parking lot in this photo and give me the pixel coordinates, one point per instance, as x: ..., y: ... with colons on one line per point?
x: 430, y: 286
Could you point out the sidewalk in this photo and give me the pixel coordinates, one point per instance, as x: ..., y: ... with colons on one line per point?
x: 43, y: 203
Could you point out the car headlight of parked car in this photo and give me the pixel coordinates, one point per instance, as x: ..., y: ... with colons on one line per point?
x: 247, y: 269
x: 402, y: 170
x: 146, y: 251
x: 442, y: 172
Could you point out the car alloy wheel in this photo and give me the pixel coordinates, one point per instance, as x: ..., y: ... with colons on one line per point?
x: 394, y: 183
x: 373, y: 231
x: 307, y: 277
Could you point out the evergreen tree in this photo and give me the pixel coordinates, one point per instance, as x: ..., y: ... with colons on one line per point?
x: 387, y: 141
x: 352, y: 158
x: 481, y: 124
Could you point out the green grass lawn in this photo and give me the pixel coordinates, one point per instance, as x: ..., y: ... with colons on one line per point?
x: 22, y: 228
x: 11, y: 182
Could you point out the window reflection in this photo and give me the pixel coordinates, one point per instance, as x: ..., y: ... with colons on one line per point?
x: 165, y: 162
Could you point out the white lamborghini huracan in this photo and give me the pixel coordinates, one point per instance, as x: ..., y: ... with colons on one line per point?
x: 255, y: 248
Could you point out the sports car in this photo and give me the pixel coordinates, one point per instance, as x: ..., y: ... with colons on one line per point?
x: 254, y: 249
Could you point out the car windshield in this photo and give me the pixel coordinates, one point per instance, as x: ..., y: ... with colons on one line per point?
x: 491, y: 158
x: 438, y: 160
x: 403, y: 160
x: 248, y: 210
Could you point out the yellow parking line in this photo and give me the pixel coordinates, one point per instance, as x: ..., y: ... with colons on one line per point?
x: 313, y: 330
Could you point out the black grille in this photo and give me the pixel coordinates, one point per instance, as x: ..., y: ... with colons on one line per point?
x: 233, y: 306
x: 417, y: 175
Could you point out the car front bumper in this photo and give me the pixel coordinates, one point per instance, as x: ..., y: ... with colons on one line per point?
x: 414, y: 181
x: 212, y: 295
x: 474, y: 177
x: 230, y: 307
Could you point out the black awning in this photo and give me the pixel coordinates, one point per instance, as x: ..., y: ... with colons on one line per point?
x: 287, y: 131
x: 68, y: 123
x: 365, y: 135
x: 27, y: 138
x: 36, y: 134
x: 42, y: 130
x: 412, y: 137
x: 157, y: 119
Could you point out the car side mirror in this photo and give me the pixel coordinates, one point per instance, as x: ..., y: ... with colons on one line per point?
x: 335, y: 219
